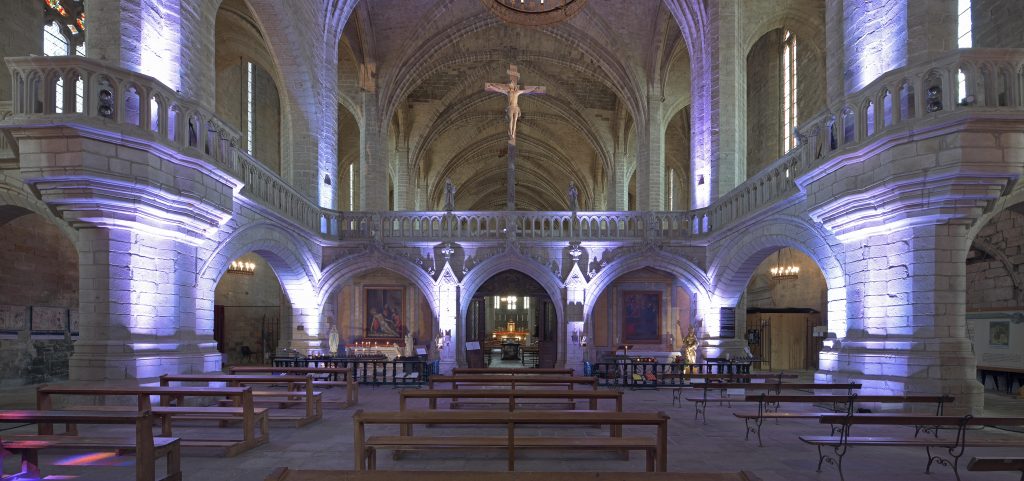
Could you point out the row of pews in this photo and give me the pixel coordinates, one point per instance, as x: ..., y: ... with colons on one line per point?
x: 245, y: 400
x: 945, y: 439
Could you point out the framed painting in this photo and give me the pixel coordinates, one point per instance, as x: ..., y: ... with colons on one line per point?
x: 999, y: 333
x: 13, y: 318
x: 49, y: 320
x: 385, y: 312
x: 641, y: 316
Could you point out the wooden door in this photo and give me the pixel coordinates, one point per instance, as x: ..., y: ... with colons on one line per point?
x: 476, y: 330
x: 547, y: 335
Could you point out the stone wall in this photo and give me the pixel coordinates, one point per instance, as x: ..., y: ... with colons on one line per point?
x: 40, y: 270
x: 764, y: 102
x: 21, y: 35
x: 994, y: 264
x: 996, y: 23
x: 255, y: 311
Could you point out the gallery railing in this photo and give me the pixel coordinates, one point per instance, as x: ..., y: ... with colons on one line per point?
x: 985, y: 82
x: 640, y: 375
x: 372, y: 371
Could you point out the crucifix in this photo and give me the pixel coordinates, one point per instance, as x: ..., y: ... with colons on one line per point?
x: 512, y: 91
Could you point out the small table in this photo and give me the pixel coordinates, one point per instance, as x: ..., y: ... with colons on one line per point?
x: 509, y: 351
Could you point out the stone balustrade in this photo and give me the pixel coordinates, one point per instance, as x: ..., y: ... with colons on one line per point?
x: 6, y: 149
x: 84, y: 91
x: 94, y: 93
x: 990, y: 79
x: 526, y: 225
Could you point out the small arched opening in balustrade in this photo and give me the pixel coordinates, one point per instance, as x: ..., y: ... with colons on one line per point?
x: 849, y: 123
x: 907, y: 106
x: 869, y: 118
x: 887, y: 111
x: 132, y: 106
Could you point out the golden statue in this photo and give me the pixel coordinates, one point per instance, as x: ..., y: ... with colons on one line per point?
x: 690, y: 346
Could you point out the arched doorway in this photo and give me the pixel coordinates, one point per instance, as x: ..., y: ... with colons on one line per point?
x: 785, y: 308
x: 250, y: 310
x: 511, y: 321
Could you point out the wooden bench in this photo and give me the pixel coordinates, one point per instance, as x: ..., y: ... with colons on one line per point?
x: 143, y: 444
x: 285, y: 474
x: 514, y: 371
x: 767, y: 407
x: 333, y: 376
x: 299, y: 390
x: 711, y: 378
x: 513, y: 382
x: 654, y: 447
x: 242, y: 410
x: 700, y: 403
x: 954, y: 447
x: 510, y: 397
x: 997, y: 464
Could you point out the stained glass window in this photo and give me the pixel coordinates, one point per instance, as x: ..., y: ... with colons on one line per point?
x: 66, y: 19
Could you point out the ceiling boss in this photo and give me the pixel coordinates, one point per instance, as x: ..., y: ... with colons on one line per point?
x: 534, y: 13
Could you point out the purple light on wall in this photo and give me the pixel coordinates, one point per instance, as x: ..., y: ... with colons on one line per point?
x: 160, y: 42
x: 875, y: 39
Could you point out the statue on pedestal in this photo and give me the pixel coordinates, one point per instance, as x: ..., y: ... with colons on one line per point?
x: 574, y: 194
x: 449, y: 195
x: 690, y: 346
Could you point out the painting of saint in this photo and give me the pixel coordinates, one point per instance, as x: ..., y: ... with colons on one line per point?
x: 385, y: 312
x: 641, y: 316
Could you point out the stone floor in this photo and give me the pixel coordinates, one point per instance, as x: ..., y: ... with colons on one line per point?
x: 717, y: 446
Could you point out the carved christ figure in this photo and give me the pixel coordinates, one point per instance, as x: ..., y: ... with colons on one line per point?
x: 512, y: 90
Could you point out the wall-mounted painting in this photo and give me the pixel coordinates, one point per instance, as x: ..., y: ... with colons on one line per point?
x: 641, y: 316
x: 385, y: 312
x: 49, y: 320
x: 13, y: 318
x: 999, y: 333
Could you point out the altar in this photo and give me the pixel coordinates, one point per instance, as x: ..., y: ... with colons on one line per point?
x: 374, y: 348
x: 509, y: 351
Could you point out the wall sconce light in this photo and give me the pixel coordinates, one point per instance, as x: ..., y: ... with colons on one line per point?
x: 240, y: 267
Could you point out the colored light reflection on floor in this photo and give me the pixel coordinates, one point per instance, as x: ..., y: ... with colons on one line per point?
x: 95, y: 459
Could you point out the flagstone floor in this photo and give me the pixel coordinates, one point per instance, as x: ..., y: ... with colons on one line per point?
x: 717, y: 446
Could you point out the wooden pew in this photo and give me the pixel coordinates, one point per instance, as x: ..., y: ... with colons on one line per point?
x: 767, y: 407
x: 286, y: 474
x: 655, y: 447
x: 712, y: 378
x: 336, y: 376
x: 700, y: 403
x: 511, y: 397
x: 299, y: 391
x: 997, y: 464
x: 514, y: 371
x: 242, y: 409
x: 954, y: 447
x: 146, y: 447
x: 513, y: 381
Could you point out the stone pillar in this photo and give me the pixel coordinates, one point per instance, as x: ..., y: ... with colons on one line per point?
x: 137, y: 308
x: 618, y: 183
x: 650, y: 157
x: 906, y: 324
x: 404, y: 195
x: 144, y: 36
x: 373, y: 166
x: 729, y: 97
x: 931, y: 29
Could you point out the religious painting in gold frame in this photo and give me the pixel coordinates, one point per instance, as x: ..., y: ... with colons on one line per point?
x: 385, y: 312
x: 641, y: 316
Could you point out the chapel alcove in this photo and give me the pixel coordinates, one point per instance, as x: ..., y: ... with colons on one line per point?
x: 381, y: 308
x: 786, y: 313
x: 250, y: 310
x: 38, y: 299
x: 511, y: 322
x: 657, y: 327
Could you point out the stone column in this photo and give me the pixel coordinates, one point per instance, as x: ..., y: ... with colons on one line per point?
x: 404, y: 196
x: 618, y: 183
x: 373, y: 166
x: 906, y: 310
x: 137, y: 308
x: 650, y: 157
x: 729, y: 100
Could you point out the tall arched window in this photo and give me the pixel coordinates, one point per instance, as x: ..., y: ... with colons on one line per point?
x: 789, y: 90
x: 963, y: 24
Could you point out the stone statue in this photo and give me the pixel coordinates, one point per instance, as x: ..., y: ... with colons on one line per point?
x: 449, y: 195
x: 690, y: 346
x: 333, y: 340
x: 512, y: 90
x: 573, y: 196
x: 409, y: 351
